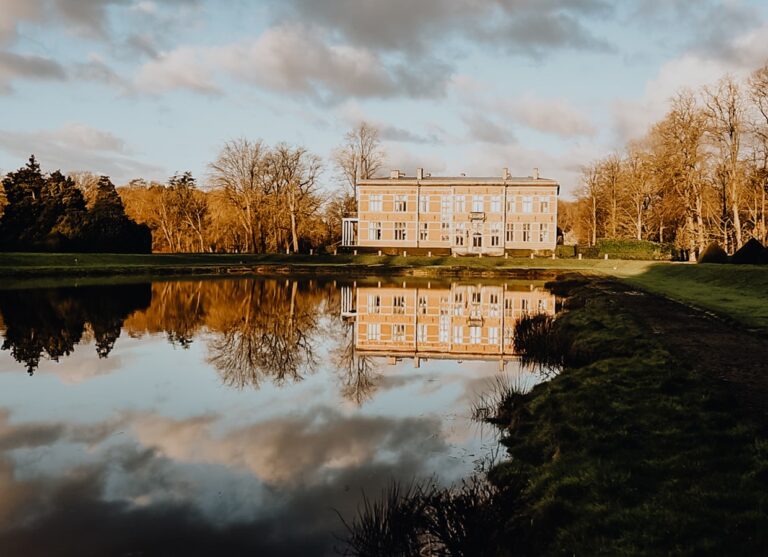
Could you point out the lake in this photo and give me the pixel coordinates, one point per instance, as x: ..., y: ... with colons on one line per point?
x: 239, y: 416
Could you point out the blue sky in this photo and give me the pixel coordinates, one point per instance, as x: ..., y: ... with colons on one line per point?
x: 142, y: 88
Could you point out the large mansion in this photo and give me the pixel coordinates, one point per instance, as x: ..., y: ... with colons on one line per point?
x: 461, y: 215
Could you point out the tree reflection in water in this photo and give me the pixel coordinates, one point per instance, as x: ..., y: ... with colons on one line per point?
x: 269, y: 335
x: 50, y: 322
x: 358, y: 375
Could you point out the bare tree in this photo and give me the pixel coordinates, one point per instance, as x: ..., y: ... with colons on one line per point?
x: 293, y: 174
x: 590, y: 193
x: 758, y: 94
x: 725, y: 126
x: 359, y: 157
x: 238, y: 170
x: 87, y: 182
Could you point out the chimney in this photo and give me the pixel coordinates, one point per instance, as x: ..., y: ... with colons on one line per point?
x: 394, y: 174
x: 535, y: 173
x: 419, y: 173
x: 505, y: 173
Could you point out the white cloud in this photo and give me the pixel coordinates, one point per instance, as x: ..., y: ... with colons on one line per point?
x: 294, y: 60
x: 556, y: 116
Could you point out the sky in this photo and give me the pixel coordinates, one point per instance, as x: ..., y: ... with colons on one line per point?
x: 148, y: 88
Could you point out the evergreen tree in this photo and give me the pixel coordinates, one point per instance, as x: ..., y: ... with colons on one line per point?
x: 20, y: 226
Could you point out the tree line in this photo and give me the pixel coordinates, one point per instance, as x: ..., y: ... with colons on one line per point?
x: 51, y: 213
x: 257, y: 198
x: 699, y: 175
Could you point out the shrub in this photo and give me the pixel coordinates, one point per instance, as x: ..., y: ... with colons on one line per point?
x: 563, y: 251
x: 634, y: 249
x: 713, y: 254
x: 751, y: 253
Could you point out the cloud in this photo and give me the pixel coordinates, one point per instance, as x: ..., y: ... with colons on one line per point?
x: 483, y: 129
x: 528, y: 27
x: 304, y: 448
x: 15, y: 66
x: 294, y: 60
x: 121, y: 496
x: 77, y: 146
x: 555, y: 116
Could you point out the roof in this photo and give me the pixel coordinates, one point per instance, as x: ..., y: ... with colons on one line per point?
x: 462, y: 180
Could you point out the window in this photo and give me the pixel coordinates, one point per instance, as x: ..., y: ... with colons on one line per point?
x: 398, y: 333
x: 509, y: 306
x: 477, y: 297
x: 542, y: 307
x: 374, y: 303
x: 493, y: 301
x: 398, y: 304
x: 543, y: 232
x: 424, y: 204
x: 524, y: 305
x: 475, y: 334
x: 477, y: 240
x: 375, y: 202
x: 477, y: 204
x: 510, y: 232
x: 399, y: 231
x: 458, y: 334
x: 459, y: 236
x: 445, y: 231
x: 458, y: 304
x: 545, y: 204
x: 495, y: 234
x: 496, y: 204
x: 444, y: 328
x: 374, y: 331
x: 445, y: 204
x: 423, y: 305
x: 374, y: 231
x: 401, y: 203
x: 421, y: 333
x: 424, y: 231
x: 526, y: 232
x: 460, y: 204
x: 493, y: 335
x: 527, y: 204
x: 510, y: 205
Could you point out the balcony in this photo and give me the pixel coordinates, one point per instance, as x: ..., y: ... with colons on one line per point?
x: 477, y: 215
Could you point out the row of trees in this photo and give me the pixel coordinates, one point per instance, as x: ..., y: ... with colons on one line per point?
x: 699, y: 175
x: 51, y: 213
x: 258, y: 198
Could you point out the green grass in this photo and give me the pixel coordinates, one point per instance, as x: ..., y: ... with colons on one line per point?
x: 736, y: 291
x: 631, y: 453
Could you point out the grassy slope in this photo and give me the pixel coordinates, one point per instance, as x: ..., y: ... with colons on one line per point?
x: 736, y: 291
x: 631, y: 453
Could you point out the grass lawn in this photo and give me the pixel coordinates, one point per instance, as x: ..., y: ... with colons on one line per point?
x: 630, y: 450
x: 736, y: 291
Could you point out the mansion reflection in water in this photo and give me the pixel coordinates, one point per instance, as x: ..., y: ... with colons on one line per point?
x: 459, y: 322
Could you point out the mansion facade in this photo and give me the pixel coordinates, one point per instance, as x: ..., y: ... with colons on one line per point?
x: 461, y: 215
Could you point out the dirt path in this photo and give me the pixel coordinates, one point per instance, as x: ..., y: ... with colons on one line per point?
x: 709, y: 344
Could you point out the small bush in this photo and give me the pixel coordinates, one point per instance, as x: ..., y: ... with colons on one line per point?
x: 563, y: 251
x: 713, y: 254
x: 751, y: 253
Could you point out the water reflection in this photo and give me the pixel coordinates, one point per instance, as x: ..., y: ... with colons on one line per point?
x: 236, y: 416
x: 51, y: 322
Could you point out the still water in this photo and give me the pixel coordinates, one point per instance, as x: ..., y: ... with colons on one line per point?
x: 238, y: 416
